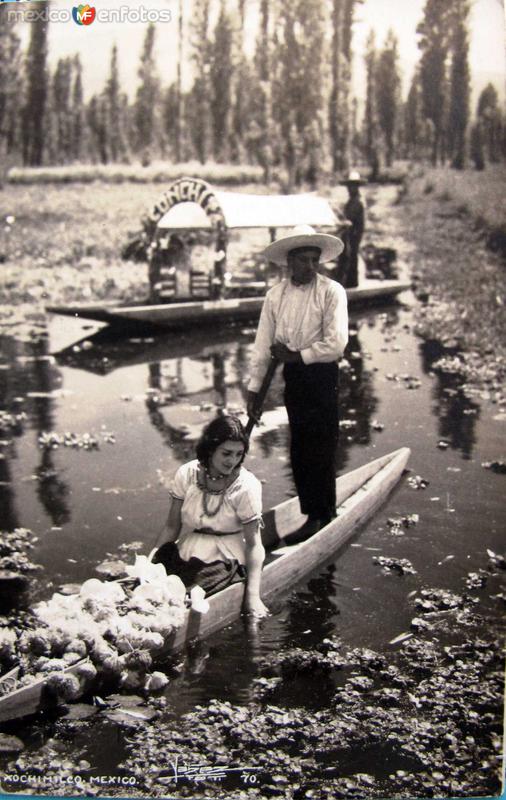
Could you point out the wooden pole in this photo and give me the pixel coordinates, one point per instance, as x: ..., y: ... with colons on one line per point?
x: 262, y: 393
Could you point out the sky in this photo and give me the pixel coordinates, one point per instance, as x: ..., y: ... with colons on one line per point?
x: 94, y: 42
x: 487, y: 54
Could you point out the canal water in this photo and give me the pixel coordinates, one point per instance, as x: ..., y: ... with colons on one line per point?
x: 100, y: 424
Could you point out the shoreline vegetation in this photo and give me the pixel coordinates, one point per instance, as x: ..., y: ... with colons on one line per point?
x: 456, y: 224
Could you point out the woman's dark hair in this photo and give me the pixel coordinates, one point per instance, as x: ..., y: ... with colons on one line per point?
x: 222, y: 429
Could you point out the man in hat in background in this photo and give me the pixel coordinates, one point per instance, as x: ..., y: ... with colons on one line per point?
x: 304, y: 325
x: 354, y: 212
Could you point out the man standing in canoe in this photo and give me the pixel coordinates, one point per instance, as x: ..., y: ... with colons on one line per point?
x: 354, y: 212
x: 304, y: 325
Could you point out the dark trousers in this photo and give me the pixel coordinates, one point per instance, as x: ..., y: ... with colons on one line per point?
x: 347, y: 263
x: 311, y: 399
x: 352, y: 271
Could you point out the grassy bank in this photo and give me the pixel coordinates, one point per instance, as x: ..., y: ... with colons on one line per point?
x: 59, y: 244
x: 478, y: 194
x: 165, y: 172
x: 449, y: 217
x: 157, y: 172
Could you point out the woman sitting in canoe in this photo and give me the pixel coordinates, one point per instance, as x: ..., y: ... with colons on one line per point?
x: 213, y: 527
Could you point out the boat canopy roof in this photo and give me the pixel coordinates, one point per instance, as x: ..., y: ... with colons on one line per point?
x: 253, y: 211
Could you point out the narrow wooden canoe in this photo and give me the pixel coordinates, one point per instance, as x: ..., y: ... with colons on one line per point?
x: 188, y: 313
x: 359, y: 495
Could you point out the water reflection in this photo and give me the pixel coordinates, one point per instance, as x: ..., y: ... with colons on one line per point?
x: 312, y: 610
x: 222, y: 668
x: 30, y: 379
x: 191, y: 375
x: 9, y: 519
x: 110, y: 349
x: 52, y: 490
x: 457, y: 413
x: 171, y: 436
x: 184, y: 394
x: 357, y: 400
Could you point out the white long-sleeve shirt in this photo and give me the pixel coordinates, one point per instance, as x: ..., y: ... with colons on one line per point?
x: 311, y: 319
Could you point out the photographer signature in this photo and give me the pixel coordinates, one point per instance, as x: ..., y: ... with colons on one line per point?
x: 197, y: 773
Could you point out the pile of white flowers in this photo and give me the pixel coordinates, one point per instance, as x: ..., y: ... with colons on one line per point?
x: 105, y: 628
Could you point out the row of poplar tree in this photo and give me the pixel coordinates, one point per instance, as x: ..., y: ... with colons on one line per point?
x: 289, y: 104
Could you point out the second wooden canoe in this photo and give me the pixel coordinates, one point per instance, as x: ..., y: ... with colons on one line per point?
x: 201, y: 312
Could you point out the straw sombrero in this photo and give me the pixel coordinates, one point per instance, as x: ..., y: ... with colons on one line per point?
x: 304, y: 236
x: 354, y: 177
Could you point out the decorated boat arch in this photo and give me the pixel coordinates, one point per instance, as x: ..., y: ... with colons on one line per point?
x: 191, y: 204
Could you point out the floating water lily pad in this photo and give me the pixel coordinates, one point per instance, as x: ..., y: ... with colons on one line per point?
x: 125, y: 700
x: 401, y: 565
x: 80, y: 711
x: 112, y: 569
x: 130, y: 717
x: 70, y: 588
x: 10, y: 744
x: 12, y: 581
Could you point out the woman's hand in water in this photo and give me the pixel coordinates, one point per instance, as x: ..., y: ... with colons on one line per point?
x: 255, y: 608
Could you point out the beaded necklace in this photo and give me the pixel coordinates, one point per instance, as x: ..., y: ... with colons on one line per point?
x: 206, y: 492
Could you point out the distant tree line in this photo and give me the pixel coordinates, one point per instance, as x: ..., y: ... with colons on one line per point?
x: 287, y: 106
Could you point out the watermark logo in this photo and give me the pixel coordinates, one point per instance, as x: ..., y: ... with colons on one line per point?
x: 83, y: 15
x: 36, y: 10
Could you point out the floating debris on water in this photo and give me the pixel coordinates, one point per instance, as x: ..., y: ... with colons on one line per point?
x: 402, y: 637
x: 496, y: 559
x: 437, y: 600
x: 445, y: 559
x: 10, y: 744
x: 417, y: 482
x: 347, y: 423
x: 451, y: 365
x: 409, y: 381
x: 476, y: 580
x: 401, y: 565
x: 11, y: 422
x: 13, y: 556
x: 50, y: 440
x: 129, y: 717
x: 420, y: 624
x: 111, y: 569
x: 396, y: 524
x: 495, y: 466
